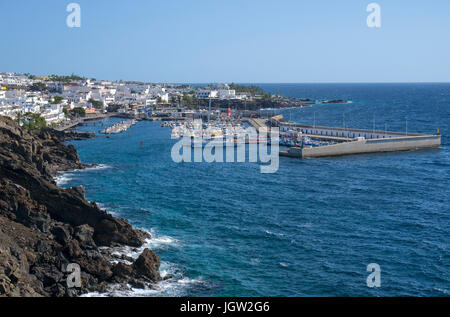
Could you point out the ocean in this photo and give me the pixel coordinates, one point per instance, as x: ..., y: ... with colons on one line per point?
x: 311, y: 229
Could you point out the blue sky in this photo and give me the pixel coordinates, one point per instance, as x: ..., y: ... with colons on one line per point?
x: 200, y: 41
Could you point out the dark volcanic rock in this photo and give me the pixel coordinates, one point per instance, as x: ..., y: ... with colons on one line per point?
x: 63, y: 136
x: 146, y: 267
x: 43, y: 227
x: 84, y: 234
x: 62, y: 234
x: 73, y: 249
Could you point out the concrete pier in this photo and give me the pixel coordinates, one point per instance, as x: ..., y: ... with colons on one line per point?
x: 73, y: 123
x: 353, y: 141
x: 119, y: 127
x: 404, y: 143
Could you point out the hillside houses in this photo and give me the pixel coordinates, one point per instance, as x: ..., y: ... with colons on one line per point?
x: 49, y: 96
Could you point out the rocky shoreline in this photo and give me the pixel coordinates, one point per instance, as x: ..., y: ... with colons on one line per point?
x: 44, y: 228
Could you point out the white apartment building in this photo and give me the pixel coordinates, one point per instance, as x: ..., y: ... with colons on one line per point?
x: 8, y: 109
x: 30, y: 107
x: 206, y: 94
x: 150, y: 102
x: 53, y: 114
x: 226, y: 94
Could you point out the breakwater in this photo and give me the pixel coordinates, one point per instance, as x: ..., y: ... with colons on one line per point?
x: 349, y: 141
x: 119, y: 127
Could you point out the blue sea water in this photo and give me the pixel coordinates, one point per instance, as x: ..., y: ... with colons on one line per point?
x: 311, y: 229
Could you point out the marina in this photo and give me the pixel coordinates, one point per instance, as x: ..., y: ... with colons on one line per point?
x: 217, y: 133
x: 301, y: 141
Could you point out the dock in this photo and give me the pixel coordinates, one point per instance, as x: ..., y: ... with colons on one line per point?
x: 79, y: 121
x: 361, y: 146
x: 345, y: 141
x: 119, y: 127
x: 258, y: 123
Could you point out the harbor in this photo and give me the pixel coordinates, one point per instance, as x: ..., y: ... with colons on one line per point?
x: 300, y: 140
x: 308, y: 197
x: 296, y: 140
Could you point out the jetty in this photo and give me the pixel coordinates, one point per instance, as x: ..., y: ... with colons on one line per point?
x: 79, y: 121
x: 119, y: 127
x: 320, y: 141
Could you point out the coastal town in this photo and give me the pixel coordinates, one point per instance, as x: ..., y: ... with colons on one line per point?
x: 223, y: 110
x: 62, y: 100
x: 224, y: 157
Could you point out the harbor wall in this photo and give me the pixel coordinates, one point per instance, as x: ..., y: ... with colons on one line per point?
x: 320, y: 131
x: 373, y: 145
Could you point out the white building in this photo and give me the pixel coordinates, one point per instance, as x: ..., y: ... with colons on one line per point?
x: 53, y: 114
x: 226, y: 94
x: 206, y: 94
x: 8, y: 109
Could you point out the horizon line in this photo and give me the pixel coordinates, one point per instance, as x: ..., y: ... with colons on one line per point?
x: 244, y: 82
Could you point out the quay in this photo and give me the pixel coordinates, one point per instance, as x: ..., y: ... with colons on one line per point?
x: 347, y: 141
x: 91, y: 117
x: 119, y: 127
x: 258, y: 123
x: 74, y: 123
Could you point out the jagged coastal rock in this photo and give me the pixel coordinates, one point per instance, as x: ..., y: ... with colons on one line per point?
x: 43, y: 228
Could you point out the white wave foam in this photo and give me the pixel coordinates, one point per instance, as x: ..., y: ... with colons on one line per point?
x: 175, y: 286
x: 305, y: 225
x: 157, y: 242
x: 444, y: 291
x: 63, y: 179
x: 274, y: 233
x: 97, y: 167
x: 154, y: 243
x: 101, y: 205
x: 255, y: 261
x: 93, y: 168
x: 107, y: 209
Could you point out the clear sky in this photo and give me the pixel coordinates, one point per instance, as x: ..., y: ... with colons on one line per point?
x: 200, y: 41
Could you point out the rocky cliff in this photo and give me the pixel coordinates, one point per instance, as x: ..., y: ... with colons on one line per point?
x: 43, y: 228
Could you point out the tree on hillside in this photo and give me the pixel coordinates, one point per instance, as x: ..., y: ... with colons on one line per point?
x: 56, y: 100
x: 38, y: 87
x: 253, y: 90
x: 33, y: 122
x: 79, y: 111
x: 66, y: 79
x: 95, y: 103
